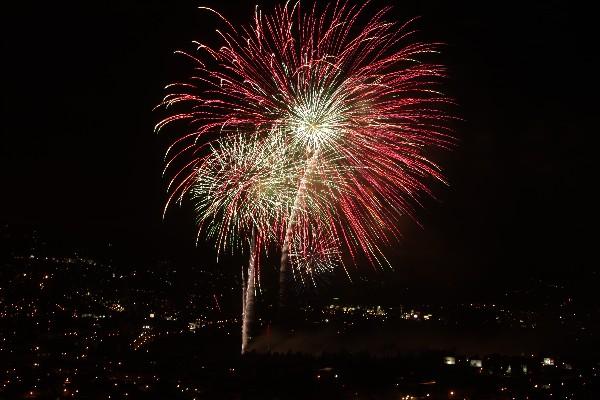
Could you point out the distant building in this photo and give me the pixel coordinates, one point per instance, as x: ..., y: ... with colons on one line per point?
x: 548, y: 361
x: 450, y: 360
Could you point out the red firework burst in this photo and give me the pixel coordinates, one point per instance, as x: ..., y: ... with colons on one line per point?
x: 349, y: 97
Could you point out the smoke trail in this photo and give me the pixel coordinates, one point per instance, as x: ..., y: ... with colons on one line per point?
x: 285, y: 248
x: 248, y: 295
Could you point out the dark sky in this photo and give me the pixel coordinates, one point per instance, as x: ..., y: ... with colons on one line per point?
x: 78, y: 153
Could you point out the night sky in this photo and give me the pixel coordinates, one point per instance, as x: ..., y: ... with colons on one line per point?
x: 79, y: 157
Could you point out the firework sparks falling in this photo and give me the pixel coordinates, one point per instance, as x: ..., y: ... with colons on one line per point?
x: 311, y: 127
x: 243, y: 184
x: 314, y: 254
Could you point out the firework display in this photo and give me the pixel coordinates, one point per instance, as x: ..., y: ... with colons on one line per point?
x: 244, y: 183
x: 308, y: 131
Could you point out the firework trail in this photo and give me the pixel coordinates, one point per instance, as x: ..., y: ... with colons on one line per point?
x: 217, y: 302
x: 248, y: 294
x: 242, y: 188
x: 306, y: 128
